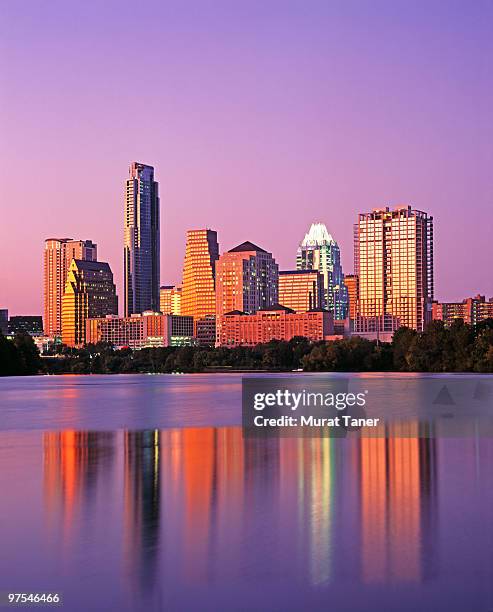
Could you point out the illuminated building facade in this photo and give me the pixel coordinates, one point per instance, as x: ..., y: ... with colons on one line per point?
x: 471, y: 310
x: 141, y: 240
x: 274, y: 323
x: 58, y: 253
x: 352, y: 284
x: 247, y: 279
x: 198, y: 287
x: 394, y: 262
x: 301, y: 290
x: 319, y: 251
x: 170, y: 299
x: 89, y: 292
x: 149, y: 329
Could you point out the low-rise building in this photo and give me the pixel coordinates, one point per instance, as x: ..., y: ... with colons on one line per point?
x: 471, y: 310
x: 149, y: 329
x: 205, y: 331
x: 379, y: 328
x: 32, y: 325
x: 273, y: 323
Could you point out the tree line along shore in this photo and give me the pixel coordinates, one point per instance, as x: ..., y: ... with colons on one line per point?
x: 458, y: 348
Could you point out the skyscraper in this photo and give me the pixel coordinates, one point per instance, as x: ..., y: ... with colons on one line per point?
x: 301, y: 290
x: 319, y: 251
x: 393, y: 258
x: 198, y: 297
x: 141, y: 240
x: 352, y: 284
x: 247, y: 279
x: 58, y: 253
x: 89, y: 293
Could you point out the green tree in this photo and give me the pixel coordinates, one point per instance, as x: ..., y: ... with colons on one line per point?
x: 28, y: 353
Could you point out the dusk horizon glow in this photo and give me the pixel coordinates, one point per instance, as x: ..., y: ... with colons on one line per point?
x: 258, y: 120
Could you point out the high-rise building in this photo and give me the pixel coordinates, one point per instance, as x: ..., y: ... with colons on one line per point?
x: 4, y: 321
x: 301, y: 290
x: 247, y: 279
x: 141, y: 240
x: 319, y: 251
x: 394, y: 263
x: 198, y: 297
x: 471, y: 310
x: 352, y: 284
x: 58, y: 253
x: 89, y: 293
x: 170, y: 299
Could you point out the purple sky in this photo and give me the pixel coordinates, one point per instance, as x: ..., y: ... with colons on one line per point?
x: 259, y: 117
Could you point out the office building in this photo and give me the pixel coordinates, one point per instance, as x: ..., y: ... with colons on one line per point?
x: 170, y: 299
x: 149, y: 329
x: 198, y: 298
x: 58, y: 254
x: 141, y: 240
x: 4, y: 321
x: 394, y: 263
x: 205, y: 331
x: 32, y: 325
x: 319, y: 251
x: 301, y: 290
x: 274, y: 323
x: 247, y: 279
x: 352, y: 284
x: 89, y: 292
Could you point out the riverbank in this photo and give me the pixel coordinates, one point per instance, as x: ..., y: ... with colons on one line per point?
x: 460, y: 348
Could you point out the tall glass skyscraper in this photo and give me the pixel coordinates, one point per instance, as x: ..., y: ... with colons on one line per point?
x: 319, y: 251
x: 141, y: 240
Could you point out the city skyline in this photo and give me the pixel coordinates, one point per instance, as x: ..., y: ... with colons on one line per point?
x: 305, y: 114
x: 91, y: 249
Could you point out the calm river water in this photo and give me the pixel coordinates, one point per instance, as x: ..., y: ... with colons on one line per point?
x: 140, y: 493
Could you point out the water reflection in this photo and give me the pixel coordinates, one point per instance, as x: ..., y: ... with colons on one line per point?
x: 142, y: 506
x: 204, y: 505
x: 398, y: 494
x: 75, y: 464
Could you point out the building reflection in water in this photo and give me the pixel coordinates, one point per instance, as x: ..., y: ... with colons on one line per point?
x: 398, y: 504
x: 141, y: 513
x: 75, y: 463
x: 204, y: 504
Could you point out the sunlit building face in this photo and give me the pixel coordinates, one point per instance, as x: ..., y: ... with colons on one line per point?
x: 58, y: 253
x: 394, y: 264
x: 198, y: 289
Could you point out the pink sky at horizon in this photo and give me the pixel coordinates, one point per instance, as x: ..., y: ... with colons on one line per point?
x: 259, y: 120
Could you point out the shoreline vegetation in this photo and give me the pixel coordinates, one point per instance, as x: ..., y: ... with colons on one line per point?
x: 459, y: 348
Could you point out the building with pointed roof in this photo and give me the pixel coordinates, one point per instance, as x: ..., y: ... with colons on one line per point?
x: 89, y: 293
x: 247, y: 279
x: 319, y: 251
